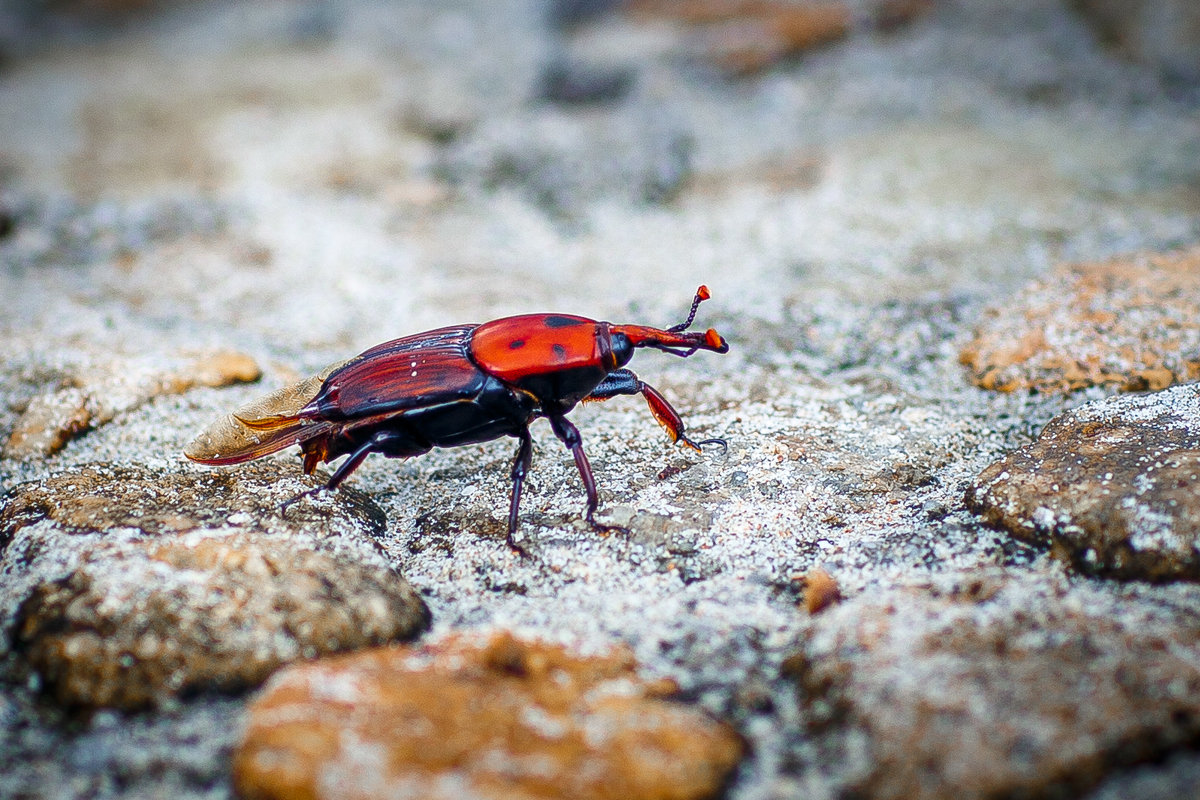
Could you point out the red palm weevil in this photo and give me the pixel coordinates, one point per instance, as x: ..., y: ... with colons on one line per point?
x: 455, y: 386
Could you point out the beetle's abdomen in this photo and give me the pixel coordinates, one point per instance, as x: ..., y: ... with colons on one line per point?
x: 413, y: 372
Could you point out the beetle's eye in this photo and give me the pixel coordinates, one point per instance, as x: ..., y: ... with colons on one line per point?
x: 621, y: 348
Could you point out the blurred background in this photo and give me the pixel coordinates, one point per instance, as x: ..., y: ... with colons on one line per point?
x: 323, y: 175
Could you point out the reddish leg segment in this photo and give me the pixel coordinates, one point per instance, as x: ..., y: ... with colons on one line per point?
x: 623, y: 381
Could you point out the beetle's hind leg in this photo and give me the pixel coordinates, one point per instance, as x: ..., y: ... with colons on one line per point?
x: 623, y: 381
x: 520, y: 469
x: 568, y: 434
x: 376, y: 442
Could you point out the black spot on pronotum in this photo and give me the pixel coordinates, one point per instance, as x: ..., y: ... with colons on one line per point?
x: 516, y: 344
x: 560, y: 352
x: 555, y: 321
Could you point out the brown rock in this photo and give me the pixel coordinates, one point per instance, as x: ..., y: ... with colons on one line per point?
x: 1112, y: 485
x: 1131, y: 324
x: 97, y: 498
x: 48, y: 423
x: 747, y: 36
x: 820, y: 591
x: 505, y: 718
x: 997, y: 685
x: 132, y: 586
x: 1163, y: 33
x: 93, y: 393
x: 221, y: 368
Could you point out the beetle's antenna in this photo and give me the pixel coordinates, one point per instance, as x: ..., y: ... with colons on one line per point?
x: 701, y: 295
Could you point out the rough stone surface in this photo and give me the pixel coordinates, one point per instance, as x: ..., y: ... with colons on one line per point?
x: 557, y: 162
x: 1131, y: 323
x: 299, y: 181
x: 181, y: 750
x: 502, y: 718
x: 1112, y: 485
x: 1164, y: 33
x: 990, y: 684
x: 90, y: 394
x: 98, y: 498
x: 136, y: 587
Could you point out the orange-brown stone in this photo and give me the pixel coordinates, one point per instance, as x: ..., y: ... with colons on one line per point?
x: 504, y: 718
x: 820, y: 591
x: 1131, y: 324
x: 747, y: 36
x: 94, y: 393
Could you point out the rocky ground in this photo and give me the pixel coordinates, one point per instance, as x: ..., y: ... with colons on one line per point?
x: 952, y: 548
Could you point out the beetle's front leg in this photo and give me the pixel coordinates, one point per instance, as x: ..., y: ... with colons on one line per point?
x: 568, y: 434
x: 520, y: 469
x: 623, y: 381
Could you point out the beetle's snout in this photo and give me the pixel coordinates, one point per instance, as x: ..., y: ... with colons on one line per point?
x: 676, y: 342
x: 709, y: 340
x: 714, y: 342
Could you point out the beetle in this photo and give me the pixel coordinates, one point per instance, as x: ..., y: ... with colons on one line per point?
x: 455, y: 386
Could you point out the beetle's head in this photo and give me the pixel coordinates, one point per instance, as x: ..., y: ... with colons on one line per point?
x: 676, y: 340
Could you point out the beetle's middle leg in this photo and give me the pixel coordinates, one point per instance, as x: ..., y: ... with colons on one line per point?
x: 376, y: 442
x: 623, y: 381
x: 568, y: 434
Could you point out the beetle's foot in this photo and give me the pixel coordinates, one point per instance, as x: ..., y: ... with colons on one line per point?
x: 286, y: 504
x: 518, y: 549
x: 698, y: 446
x: 605, y: 529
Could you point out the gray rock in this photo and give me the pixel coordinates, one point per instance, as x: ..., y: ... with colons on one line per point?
x: 1111, y: 485
x: 562, y: 161
x: 1177, y: 777
x: 1164, y: 33
x: 136, y: 586
x: 1000, y: 684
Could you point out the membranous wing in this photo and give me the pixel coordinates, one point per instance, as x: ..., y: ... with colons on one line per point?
x: 263, y: 426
